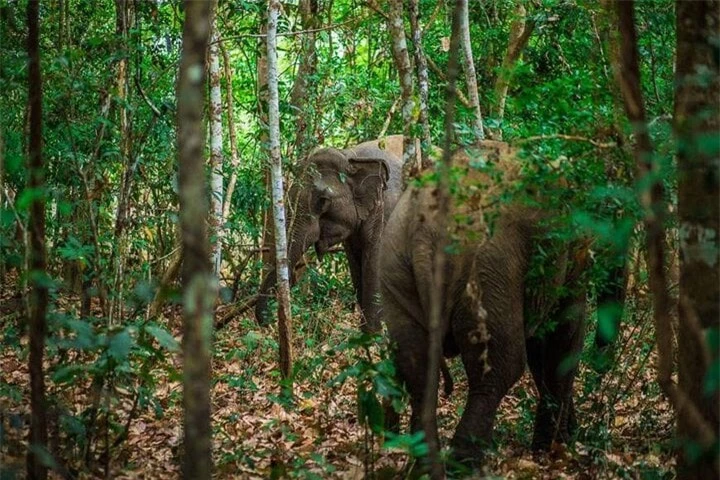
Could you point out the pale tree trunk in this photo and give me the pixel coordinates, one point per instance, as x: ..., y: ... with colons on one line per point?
x: 234, y: 158
x: 405, y: 75
x: 268, y: 239
x: 37, y: 257
x: 421, y: 68
x: 199, y: 286
x: 216, y: 153
x: 3, y: 198
x: 687, y: 405
x: 520, y: 31
x: 304, y: 85
x: 437, y: 297
x: 281, y: 257
x: 122, y: 13
x: 62, y: 25
x: 697, y: 127
x: 470, y: 75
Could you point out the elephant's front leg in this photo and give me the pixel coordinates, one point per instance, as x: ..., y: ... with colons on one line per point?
x: 354, y: 257
x: 369, y: 293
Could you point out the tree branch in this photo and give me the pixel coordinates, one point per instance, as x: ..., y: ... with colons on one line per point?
x: 565, y: 137
x: 292, y: 34
x: 458, y: 93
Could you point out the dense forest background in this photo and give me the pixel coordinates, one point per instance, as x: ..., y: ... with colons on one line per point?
x: 544, y: 81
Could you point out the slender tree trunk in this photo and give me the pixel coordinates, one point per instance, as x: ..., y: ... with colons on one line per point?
x: 61, y: 25
x: 232, y: 136
x: 168, y: 277
x: 520, y: 31
x: 281, y: 256
x: 437, y: 299
x: 628, y: 77
x: 36, y: 469
x: 267, y: 251
x: 402, y: 63
x: 421, y: 67
x: 122, y: 12
x: 198, y: 282
x: 3, y: 199
x: 216, y: 153
x: 304, y: 86
x: 697, y: 128
x: 470, y: 75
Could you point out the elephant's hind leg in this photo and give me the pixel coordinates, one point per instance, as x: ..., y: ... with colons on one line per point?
x: 553, y: 358
x: 488, y: 382
x: 411, y: 360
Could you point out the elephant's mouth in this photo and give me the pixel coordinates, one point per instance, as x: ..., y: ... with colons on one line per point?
x: 320, y: 249
x: 324, y: 245
x: 330, y: 235
x: 326, y: 242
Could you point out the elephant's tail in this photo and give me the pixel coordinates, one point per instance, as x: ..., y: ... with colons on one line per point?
x: 447, y: 378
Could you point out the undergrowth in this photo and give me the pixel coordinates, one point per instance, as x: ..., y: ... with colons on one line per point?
x: 332, y: 426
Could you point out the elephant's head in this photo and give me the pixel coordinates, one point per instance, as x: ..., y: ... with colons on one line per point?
x: 337, y: 192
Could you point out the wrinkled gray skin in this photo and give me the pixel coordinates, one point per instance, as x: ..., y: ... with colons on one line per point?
x: 345, y: 196
x: 498, y: 264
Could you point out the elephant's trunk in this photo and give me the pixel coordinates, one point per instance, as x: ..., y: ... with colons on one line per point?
x: 304, y: 231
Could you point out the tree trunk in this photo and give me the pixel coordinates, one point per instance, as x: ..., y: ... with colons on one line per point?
x: 304, y: 86
x: 470, y: 75
x: 697, y: 127
x: 268, y: 239
x: 421, y: 68
x: 168, y: 277
x: 232, y: 136
x: 281, y: 258
x: 36, y: 468
x: 520, y: 31
x: 216, y: 153
x: 4, y: 266
x: 437, y: 298
x: 405, y: 74
x: 688, y: 405
x: 122, y: 12
x: 198, y: 281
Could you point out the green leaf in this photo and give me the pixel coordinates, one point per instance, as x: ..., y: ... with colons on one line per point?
x: 84, y: 337
x: 371, y: 411
x: 163, y: 337
x: 45, y: 457
x: 67, y: 373
x: 28, y: 196
x: 413, y: 443
x: 7, y: 218
x: 711, y: 384
x: 568, y: 363
x: 712, y: 339
x: 120, y: 346
x: 608, y: 316
x: 384, y: 387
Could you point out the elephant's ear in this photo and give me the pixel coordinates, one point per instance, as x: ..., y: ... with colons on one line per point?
x: 369, y: 176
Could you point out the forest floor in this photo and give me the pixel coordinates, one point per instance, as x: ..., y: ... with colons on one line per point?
x: 626, y: 425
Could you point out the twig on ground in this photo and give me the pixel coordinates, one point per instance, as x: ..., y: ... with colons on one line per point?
x: 235, y: 310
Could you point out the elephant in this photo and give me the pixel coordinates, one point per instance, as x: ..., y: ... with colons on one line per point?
x: 344, y: 196
x: 496, y: 313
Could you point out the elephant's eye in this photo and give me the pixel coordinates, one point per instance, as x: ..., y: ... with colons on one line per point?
x: 322, y: 204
